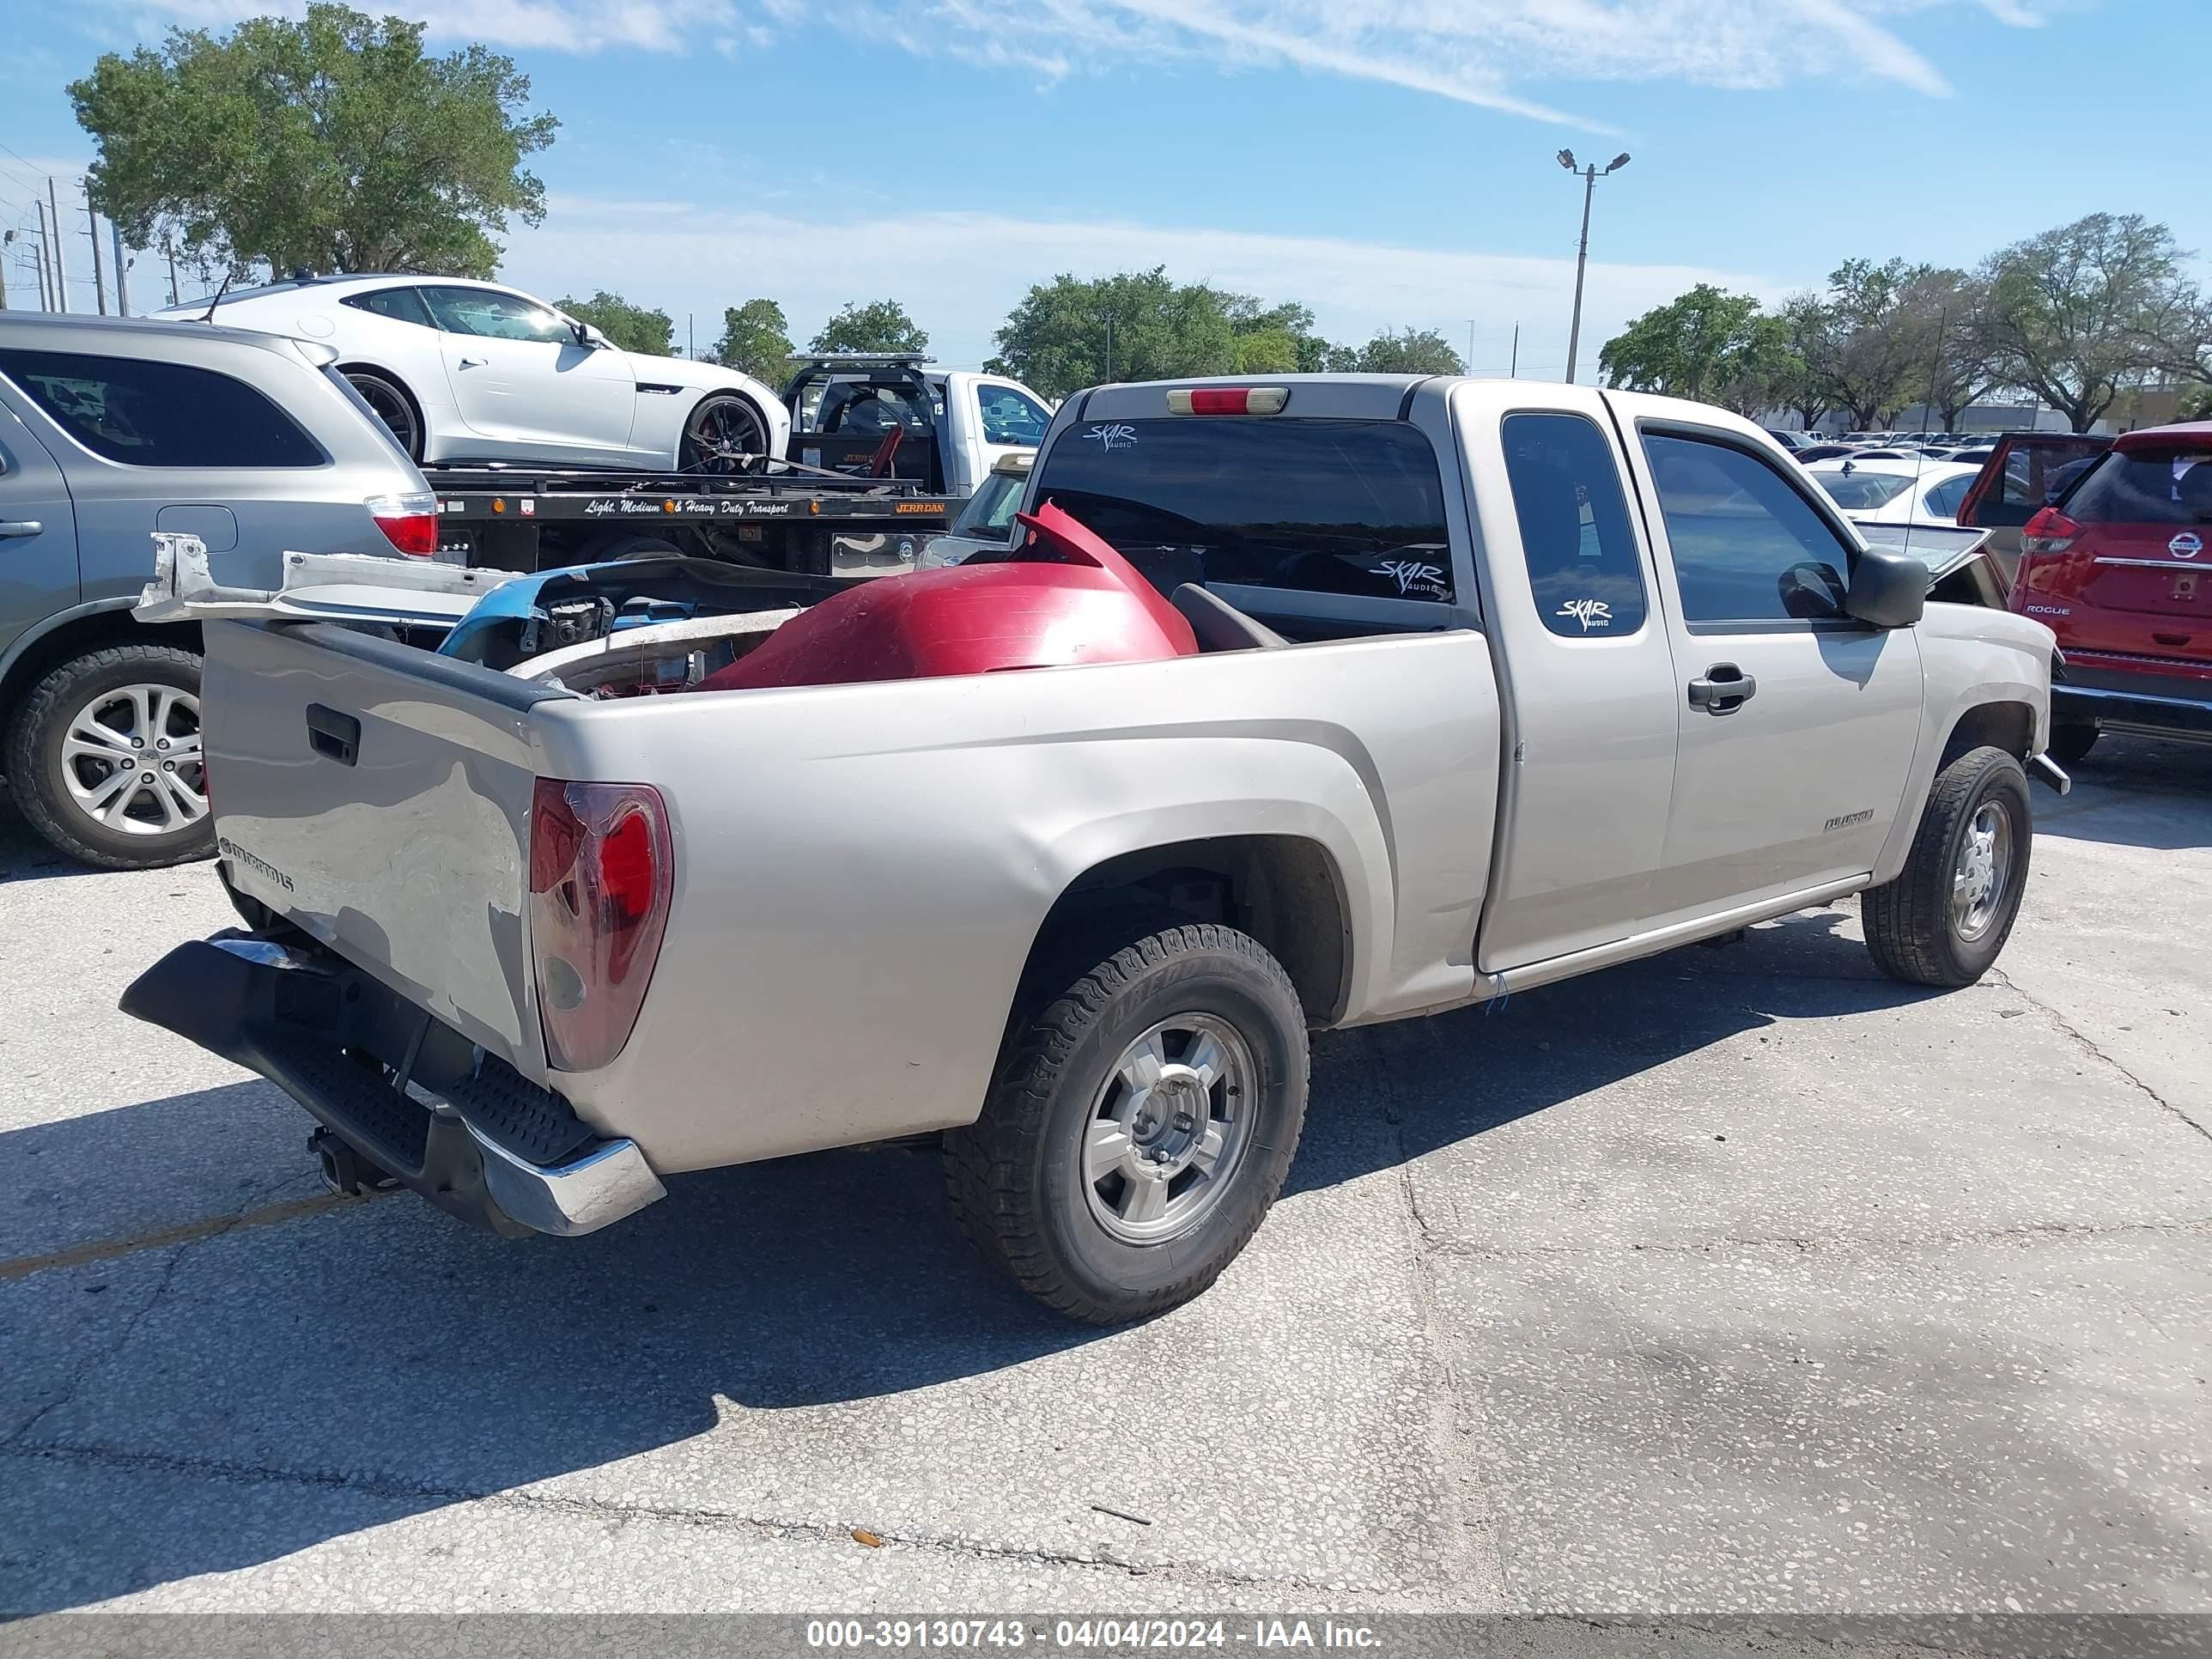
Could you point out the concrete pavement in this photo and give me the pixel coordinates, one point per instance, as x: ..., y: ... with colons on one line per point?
x: 1738, y: 1280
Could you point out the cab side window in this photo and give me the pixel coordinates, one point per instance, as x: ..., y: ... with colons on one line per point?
x: 1747, y: 547
x: 1584, y: 567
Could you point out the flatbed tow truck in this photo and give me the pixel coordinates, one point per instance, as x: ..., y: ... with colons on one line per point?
x: 792, y: 517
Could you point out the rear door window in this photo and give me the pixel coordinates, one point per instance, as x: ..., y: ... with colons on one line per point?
x: 2145, y: 489
x: 1584, y: 567
x: 1316, y: 505
x: 144, y: 413
x: 1943, y: 500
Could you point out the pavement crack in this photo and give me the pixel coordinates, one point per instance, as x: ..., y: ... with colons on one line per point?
x: 183, y: 1246
x: 1451, y: 1434
x: 2089, y: 1046
x: 1807, y: 1243
x: 399, y: 1490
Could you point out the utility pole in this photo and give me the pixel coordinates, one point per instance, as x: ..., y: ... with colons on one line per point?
x: 1590, y: 175
x: 122, y: 264
x: 690, y: 338
x: 54, y: 247
x: 45, y: 289
x: 1514, y: 372
x: 1469, y: 364
x: 99, y: 284
x: 172, y: 253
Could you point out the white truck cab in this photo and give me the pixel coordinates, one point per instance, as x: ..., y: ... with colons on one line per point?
x: 945, y: 429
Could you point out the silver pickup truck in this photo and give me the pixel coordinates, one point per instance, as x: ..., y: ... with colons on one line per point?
x: 1465, y: 686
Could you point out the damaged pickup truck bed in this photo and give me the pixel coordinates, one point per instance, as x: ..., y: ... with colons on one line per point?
x: 1342, y: 699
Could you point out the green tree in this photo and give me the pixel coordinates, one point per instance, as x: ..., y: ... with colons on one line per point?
x: 329, y: 143
x: 877, y: 325
x: 1410, y: 351
x: 631, y: 327
x: 1141, y: 325
x: 1868, y: 354
x: 1708, y: 345
x: 1945, y: 313
x: 757, y: 341
x: 1803, y: 317
x: 2078, y: 312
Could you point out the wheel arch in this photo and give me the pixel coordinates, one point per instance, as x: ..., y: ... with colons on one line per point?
x: 384, y: 371
x: 762, y: 412
x: 1288, y: 891
x: 2002, y: 723
x: 66, y: 634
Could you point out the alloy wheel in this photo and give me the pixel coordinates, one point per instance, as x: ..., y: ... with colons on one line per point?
x: 132, y: 763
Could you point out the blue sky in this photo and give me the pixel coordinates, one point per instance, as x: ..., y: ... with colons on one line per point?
x: 1387, y: 161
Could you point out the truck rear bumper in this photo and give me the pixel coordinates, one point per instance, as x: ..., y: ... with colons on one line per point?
x: 491, y: 1148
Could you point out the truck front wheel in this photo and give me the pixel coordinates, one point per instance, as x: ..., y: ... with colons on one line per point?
x: 1138, y: 1128
x: 1946, y: 917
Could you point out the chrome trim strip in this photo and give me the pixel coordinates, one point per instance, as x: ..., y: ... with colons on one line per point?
x: 2148, y: 564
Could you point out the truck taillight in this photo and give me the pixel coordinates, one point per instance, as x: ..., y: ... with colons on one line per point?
x: 2049, y: 532
x: 408, y: 522
x: 602, y: 867
x: 1228, y: 400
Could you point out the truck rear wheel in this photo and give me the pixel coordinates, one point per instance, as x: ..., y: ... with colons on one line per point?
x: 1138, y: 1128
x: 1948, y: 914
x: 104, y: 757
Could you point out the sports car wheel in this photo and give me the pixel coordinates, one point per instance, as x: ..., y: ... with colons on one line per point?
x: 725, y: 435
x: 392, y: 407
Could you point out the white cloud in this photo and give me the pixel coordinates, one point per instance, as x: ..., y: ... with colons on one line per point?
x: 1473, y: 51
x: 960, y: 273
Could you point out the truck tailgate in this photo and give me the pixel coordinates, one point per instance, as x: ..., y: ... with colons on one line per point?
x: 378, y: 796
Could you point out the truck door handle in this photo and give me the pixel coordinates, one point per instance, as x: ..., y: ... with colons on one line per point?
x: 21, y: 527
x: 1722, y: 689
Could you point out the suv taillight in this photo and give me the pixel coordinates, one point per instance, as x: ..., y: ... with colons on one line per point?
x: 602, y: 867
x: 408, y: 522
x: 2049, y: 532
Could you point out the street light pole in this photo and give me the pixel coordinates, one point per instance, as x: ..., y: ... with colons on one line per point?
x: 1590, y: 175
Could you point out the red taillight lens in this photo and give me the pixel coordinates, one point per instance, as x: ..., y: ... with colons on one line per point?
x: 602, y: 867
x: 2049, y: 532
x: 408, y: 522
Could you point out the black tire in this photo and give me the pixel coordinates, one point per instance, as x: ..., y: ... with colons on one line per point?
x: 1913, y: 928
x: 722, y: 426
x: 36, y: 760
x: 394, y: 405
x: 2070, y: 744
x: 1017, y: 1175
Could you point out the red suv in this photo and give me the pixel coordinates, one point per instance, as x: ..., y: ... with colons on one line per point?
x: 2117, y: 567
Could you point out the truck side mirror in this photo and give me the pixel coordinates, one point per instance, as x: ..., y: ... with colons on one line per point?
x: 1888, y: 588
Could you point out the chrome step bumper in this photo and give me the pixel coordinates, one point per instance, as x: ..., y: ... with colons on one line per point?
x: 493, y: 1149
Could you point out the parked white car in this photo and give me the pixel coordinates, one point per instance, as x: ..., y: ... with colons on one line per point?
x: 463, y: 370
x: 1897, y: 492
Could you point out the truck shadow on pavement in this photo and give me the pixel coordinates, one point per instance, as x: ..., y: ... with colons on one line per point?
x: 2134, y: 793
x: 232, y: 1399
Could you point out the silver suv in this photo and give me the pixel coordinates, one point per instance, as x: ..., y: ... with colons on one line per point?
x: 110, y: 430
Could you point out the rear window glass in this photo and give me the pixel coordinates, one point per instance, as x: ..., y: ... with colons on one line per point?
x: 1583, y: 568
x: 1861, y: 492
x: 2168, y: 489
x: 156, y: 414
x: 1325, y: 506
